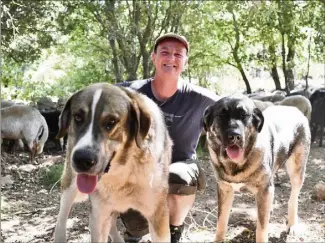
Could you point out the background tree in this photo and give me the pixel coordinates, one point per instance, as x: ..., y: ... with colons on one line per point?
x: 27, y: 27
x: 108, y: 40
x: 130, y: 28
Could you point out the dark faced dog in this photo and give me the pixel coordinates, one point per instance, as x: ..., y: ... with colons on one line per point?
x: 118, y: 153
x: 246, y: 148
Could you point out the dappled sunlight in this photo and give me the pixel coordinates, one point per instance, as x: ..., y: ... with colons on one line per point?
x: 317, y: 161
x: 308, y: 176
x: 247, y: 212
x: 5, y: 205
x: 19, y: 205
x: 277, y: 228
x: 22, y: 230
x: 72, y: 221
x: 77, y: 237
x: 235, y: 232
x: 276, y: 205
x: 9, y: 225
x: 211, y: 201
x: 198, y: 236
x: 51, y: 160
x: 243, y: 205
x: 25, y: 230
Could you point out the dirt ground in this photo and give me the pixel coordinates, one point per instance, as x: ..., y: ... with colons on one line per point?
x: 29, y: 210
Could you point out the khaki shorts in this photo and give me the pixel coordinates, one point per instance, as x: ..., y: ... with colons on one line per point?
x: 186, y: 177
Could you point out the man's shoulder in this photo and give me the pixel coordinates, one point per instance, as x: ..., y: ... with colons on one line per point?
x: 136, y: 84
x: 199, y: 91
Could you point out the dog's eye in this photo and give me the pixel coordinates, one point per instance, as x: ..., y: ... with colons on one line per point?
x: 222, y: 113
x: 77, y: 118
x: 243, y: 113
x: 110, y: 124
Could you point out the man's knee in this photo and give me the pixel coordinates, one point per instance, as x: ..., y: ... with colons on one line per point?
x: 186, y: 177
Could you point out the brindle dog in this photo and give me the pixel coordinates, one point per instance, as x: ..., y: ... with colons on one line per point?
x: 247, y: 147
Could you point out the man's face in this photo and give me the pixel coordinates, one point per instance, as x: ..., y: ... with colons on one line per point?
x: 170, y: 58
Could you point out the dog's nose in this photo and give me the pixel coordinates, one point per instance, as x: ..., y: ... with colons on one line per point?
x: 84, y: 159
x: 234, y: 136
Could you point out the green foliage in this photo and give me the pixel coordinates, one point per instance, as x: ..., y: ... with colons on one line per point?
x: 51, y: 175
x: 27, y: 27
x: 11, y: 73
x: 109, y: 40
x: 30, y: 82
x: 127, y: 28
x: 201, y: 149
x: 79, y: 77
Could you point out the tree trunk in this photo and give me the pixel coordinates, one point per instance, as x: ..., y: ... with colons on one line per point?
x: 132, y: 75
x: 235, y: 53
x: 290, y: 64
x: 274, y: 70
x: 242, y: 72
x: 133, y: 38
x: 290, y: 79
x: 145, y: 65
x: 189, y: 72
x: 275, y: 76
x: 116, y: 65
x: 283, y: 53
x: 308, y: 62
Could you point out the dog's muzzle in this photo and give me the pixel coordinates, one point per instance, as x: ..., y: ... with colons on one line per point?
x: 234, y: 137
x: 234, y: 145
x: 84, y: 160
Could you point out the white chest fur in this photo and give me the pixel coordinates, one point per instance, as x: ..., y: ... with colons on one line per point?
x: 237, y: 186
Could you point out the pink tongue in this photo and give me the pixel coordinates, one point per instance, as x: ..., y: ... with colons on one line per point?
x: 86, y: 183
x: 233, y: 151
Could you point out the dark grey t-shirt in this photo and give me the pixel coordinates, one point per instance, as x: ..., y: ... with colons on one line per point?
x: 183, y: 114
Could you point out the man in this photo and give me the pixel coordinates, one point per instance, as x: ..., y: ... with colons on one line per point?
x: 183, y: 106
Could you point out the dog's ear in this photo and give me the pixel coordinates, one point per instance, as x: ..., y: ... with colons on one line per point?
x: 143, y: 118
x: 258, y: 119
x: 207, y: 118
x: 65, y: 118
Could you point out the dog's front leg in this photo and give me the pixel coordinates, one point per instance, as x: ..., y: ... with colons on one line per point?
x: 67, y: 198
x: 264, y: 200
x: 113, y: 232
x: 225, y: 199
x: 102, y: 220
x: 159, y: 224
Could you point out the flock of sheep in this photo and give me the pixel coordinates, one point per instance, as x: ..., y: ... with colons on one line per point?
x: 27, y: 125
x: 32, y: 127
x: 311, y: 102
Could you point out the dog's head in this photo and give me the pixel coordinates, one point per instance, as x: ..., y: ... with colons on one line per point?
x: 232, y: 124
x: 101, y: 120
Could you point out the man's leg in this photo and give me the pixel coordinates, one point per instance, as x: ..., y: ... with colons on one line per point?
x: 185, y: 178
x: 179, y: 206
